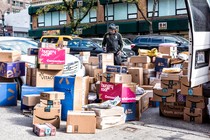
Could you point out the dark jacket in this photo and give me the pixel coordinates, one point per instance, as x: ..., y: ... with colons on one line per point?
x: 112, y: 42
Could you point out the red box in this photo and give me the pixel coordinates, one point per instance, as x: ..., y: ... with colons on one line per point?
x: 51, y: 56
x: 108, y: 91
x: 42, y: 130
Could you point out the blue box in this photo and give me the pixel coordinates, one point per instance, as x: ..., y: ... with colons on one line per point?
x: 28, y: 90
x: 8, y: 95
x: 11, y: 70
x: 116, y: 69
x: 130, y: 111
x: 65, y: 84
x: 161, y: 63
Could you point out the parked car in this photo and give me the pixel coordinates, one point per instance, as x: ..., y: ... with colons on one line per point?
x: 72, y: 67
x: 81, y: 45
x: 152, y: 41
x: 56, y: 39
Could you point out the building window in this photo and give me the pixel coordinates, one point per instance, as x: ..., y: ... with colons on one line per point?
x: 150, y: 9
x: 15, y: 10
x: 167, y: 8
x: 93, y: 15
x: 90, y: 17
x: 110, y: 12
x: 120, y: 11
x: 52, y: 19
x: 21, y: 4
x: 180, y: 7
x: 132, y: 11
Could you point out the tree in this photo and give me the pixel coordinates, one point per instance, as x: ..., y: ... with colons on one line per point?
x: 76, y: 10
x: 149, y: 21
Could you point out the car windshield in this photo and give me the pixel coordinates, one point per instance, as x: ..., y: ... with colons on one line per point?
x: 80, y: 43
x: 127, y: 41
x: 18, y: 45
x: 185, y: 41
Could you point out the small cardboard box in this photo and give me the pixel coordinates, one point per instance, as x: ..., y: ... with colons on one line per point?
x: 105, y: 59
x: 50, y: 103
x: 163, y: 94
x: 93, y: 60
x: 149, y: 66
x: 109, y: 91
x: 185, y: 64
x: 137, y: 75
x: 84, y: 57
x: 142, y: 104
x: 31, y: 100
x: 98, y: 74
x: 130, y: 111
x: 52, y: 95
x: 10, y: 56
x: 8, y: 96
x: 171, y: 76
x: 47, y: 115
x: 110, y: 121
x: 47, y: 45
x: 116, y: 78
x: 46, y: 129
x: 196, y: 102
x: 187, y: 90
x: 193, y: 115
x: 168, y: 48
x: 33, y: 51
x: 82, y: 122
x: 50, y: 67
x: 140, y: 59
x: 153, y: 81
x: 147, y: 87
x: 89, y: 69
x: 12, y: 70
x: 6, y: 80
x: 161, y: 63
x: 116, y: 69
x: 44, y: 78
x: 51, y: 56
x: 185, y: 71
x: 171, y: 84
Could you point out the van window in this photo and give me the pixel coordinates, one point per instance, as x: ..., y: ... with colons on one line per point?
x: 157, y: 40
x: 143, y: 40
x: 170, y: 40
x: 50, y: 39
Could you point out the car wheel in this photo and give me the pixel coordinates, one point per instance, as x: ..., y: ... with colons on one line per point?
x: 19, y: 87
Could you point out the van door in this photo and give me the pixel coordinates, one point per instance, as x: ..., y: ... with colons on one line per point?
x: 199, y: 48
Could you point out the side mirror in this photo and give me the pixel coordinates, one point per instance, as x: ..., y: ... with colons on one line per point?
x: 179, y: 43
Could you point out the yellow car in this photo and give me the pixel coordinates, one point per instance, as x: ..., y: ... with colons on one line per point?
x: 56, y: 39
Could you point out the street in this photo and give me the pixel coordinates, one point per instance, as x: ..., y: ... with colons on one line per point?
x: 16, y: 126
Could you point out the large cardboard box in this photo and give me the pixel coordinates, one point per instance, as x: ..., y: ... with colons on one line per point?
x: 130, y: 111
x: 193, y: 115
x: 83, y: 122
x: 196, y: 102
x: 98, y: 74
x: 8, y: 95
x: 93, y: 60
x: 11, y: 70
x: 52, y: 95
x: 42, y: 130
x: 163, y: 94
x: 161, y: 63
x: 187, y: 90
x: 31, y: 100
x: 171, y: 84
x: 114, y: 111
x: 10, y: 56
x: 171, y: 76
x: 44, y: 78
x: 116, y: 78
x: 168, y: 48
x: 185, y: 64
x: 105, y: 59
x: 174, y: 110
x: 109, y: 91
x: 137, y: 75
x: 76, y: 91
x: 89, y: 69
x: 47, y: 115
x: 116, y: 69
x: 140, y: 59
x: 28, y: 90
x: 50, y: 67
x: 51, y: 56
x: 50, y: 103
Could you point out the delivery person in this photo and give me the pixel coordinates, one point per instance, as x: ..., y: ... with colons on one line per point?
x: 112, y: 43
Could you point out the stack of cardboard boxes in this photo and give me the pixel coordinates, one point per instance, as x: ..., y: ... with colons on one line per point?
x: 10, y: 67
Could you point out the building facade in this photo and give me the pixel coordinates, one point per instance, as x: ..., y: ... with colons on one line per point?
x: 170, y: 18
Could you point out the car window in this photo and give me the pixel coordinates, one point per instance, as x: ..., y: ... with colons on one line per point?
x: 66, y: 39
x: 127, y: 41
x: 170, y: 40
x: 143, y: 40
x: 157, y: 40
x: 73, y: 43
x: 87, y: 44
x: 50, y: 39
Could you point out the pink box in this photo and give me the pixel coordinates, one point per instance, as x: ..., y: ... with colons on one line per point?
x: 108, y: 91
x: 51, y: 56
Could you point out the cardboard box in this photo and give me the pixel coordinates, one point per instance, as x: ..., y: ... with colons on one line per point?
x: 84, y: 57
x: 47, y: 45
x: 92, y: 80
x: 109, y: 91
x: 50, y: 67
x: 10, y: 56
x: 11, y: 70
x: 164, y: 95
x: 147, y: 87
x: 171, y: 84
x: 50, y: 103
x: 89, y: 69
x: 142, y: 104
x: 51, y: 56
x: 116, y: 78
x: 196, y: 102
x: 44, y: 78
x: 153, y: 81
x: 172, y: 110
x: 168, y: 48
x: 161, y: 63
x: 42, y: 130
x: 185, y: 64
x: 93, y: 60
x: 110, y: 121
x: 98, y: 74
x: 187, y: 90
x: 28, y: 90
x: 185, y: 71
x: 33, y: 51
x: 6, y: 80
x: 193, y: 115
x: 140, y: 59
x: 104, y: 60
x: 8, y: 95
x: 83, y: 122
x: 116, y: 69
x: 31, y: 100
x: 114, y: 111
x: 52, y: 95
x: 47, y: 115
x: 76, y: 91
x: 171, y: 76
x: 137, y: 75
x: 145, y: 80
x: 130, y: 111
x: 148, y: 66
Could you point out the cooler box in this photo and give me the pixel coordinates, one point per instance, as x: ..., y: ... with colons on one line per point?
x: 8, y: 95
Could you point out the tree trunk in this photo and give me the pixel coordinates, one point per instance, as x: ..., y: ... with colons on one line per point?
x: 153, y: 15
